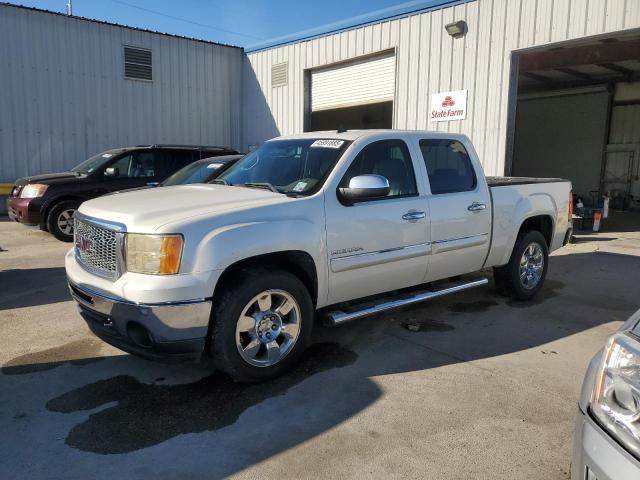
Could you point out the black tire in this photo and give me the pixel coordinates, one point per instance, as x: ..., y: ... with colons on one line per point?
x: 507, y: 278
x: 228, y: 306
x: 54, y: 226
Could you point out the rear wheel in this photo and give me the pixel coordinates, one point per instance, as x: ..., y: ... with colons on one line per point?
x: 526, y: 271
x: 60, y: 220
x: 261, y: 323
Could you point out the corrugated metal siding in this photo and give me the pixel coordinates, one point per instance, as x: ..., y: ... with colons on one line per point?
x: 625, y: 125
x: 430, y: 61
x: 64, y: 96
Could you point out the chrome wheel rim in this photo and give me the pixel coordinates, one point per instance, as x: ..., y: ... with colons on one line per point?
x: 268, y: 328
x: 65, y: 221
x: 531, y: 266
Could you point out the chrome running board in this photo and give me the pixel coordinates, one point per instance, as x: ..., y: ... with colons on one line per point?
x: 338, y: 317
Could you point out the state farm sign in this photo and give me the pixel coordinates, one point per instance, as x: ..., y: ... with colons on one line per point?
x: 447, y: 106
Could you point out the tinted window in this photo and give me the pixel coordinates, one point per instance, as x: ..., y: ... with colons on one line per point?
x: 136, y: 165
x: 198, y: 172
x: 174, y: 160
x: 389, y: 158
x: 448, y: 165
x: 94, y: 163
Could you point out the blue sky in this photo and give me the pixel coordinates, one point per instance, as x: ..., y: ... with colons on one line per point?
x: 237, y: 22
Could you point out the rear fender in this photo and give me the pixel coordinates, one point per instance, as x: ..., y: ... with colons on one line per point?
x: 534, y: 205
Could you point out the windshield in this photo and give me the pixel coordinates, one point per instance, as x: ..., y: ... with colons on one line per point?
x: 198, y: 172
x: 92, y: 164
x: 297, y: 166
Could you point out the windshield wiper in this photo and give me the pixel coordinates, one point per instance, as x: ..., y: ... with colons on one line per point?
x: 219, y: 181
x: 263, y: 185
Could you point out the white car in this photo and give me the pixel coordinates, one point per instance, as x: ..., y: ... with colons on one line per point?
x: 607, y: 432
x: 237, y: 270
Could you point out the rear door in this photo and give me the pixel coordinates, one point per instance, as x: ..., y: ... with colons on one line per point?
x: 460, y: 208
x: 378, y: 245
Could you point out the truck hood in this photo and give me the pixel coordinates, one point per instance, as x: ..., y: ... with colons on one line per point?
x: 49, y: 178
x: 147, y: 210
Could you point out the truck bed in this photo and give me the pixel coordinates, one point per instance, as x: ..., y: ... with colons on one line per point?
x: 508, y: 181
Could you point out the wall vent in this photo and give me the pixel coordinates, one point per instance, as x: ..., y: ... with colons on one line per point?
x: 280, y: 74
x: 137, y: 63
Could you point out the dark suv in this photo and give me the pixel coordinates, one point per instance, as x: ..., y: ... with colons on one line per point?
x: 50, y: 200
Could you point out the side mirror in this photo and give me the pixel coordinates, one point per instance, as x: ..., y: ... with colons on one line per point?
x: 111, y: 172
x: 365, y: 187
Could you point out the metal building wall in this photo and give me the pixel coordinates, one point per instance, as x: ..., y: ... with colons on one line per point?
x: 625, y: 125
x: 63, y: 95
x: 430, y: 61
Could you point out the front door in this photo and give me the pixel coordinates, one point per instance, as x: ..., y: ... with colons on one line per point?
x: 378, y: 245
x: 460, y: 207
x: 135, y: 169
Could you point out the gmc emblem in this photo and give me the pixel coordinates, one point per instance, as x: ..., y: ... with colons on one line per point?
x: 83, y: 245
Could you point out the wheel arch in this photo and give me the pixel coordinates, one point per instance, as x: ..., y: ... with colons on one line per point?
x: 297, y: 262
x: 541, y: 223
x: 46, y: 209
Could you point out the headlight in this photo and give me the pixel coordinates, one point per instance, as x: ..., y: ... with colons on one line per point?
x: 616, y: 397
x: 153, y: 254
x: 33, y: 190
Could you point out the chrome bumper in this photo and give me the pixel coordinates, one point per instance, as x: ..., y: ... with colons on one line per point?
x: 152, y: 331
x: 597, y: 456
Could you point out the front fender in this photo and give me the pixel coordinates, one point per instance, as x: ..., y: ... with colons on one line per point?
x: 227, y: 245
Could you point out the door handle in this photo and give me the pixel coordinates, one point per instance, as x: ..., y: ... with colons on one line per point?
x: 413, y: 216
x: 476, y: 207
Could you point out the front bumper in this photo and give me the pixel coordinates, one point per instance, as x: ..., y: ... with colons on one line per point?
x: 597, y: 456
x: 146, y: 330
x: 23, y: 210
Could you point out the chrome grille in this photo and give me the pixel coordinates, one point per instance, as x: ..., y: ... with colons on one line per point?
x: 96, y: 248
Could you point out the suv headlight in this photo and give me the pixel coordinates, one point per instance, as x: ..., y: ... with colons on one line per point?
x: 153, y: 254
x: 33, y: 190
x: 616, y: 397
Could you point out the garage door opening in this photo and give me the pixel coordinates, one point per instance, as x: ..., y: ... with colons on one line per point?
x: 578, y: 117
x: 357, y: 95
x: 376, y: 115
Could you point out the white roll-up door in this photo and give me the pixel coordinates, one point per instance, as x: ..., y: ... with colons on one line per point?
x: 359, y: 83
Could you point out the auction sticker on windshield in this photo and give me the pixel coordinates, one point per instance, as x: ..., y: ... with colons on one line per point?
x: 327, y: 143
x: 300, y: 186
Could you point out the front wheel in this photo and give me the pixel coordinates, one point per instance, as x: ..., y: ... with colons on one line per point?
x: 60, y: 220
x: 526, y: 271
x: 261, y: 324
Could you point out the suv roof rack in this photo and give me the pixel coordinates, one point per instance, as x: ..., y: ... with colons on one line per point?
x: 175, y: 145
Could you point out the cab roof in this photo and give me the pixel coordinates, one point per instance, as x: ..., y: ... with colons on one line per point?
x: 353, y: 135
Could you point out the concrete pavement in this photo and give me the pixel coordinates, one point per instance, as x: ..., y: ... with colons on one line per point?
x: 485, y: 388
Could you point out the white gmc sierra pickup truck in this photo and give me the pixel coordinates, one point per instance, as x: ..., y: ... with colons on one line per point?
x: 237, y: 270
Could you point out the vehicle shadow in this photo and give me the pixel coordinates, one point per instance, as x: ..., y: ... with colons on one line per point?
x: 142, y: 409
x: 34, y: 286
x: 580, y: 237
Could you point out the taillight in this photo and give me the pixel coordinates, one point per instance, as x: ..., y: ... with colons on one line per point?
x: 570, y: 206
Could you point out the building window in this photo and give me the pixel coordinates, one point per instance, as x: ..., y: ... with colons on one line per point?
x: 280, y: 74
x: 137, y: 63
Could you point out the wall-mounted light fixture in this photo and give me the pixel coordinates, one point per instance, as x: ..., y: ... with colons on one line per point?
x: 456, y: 29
